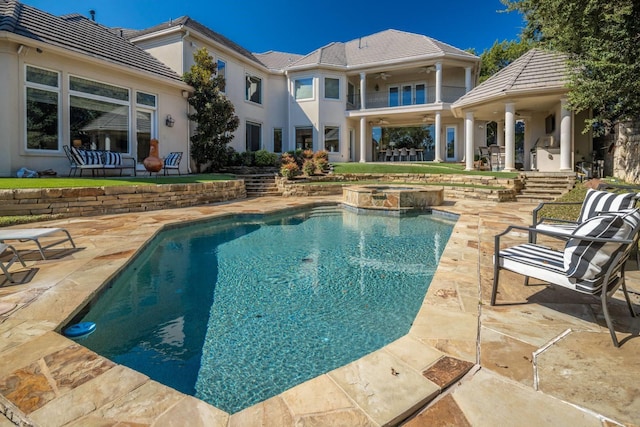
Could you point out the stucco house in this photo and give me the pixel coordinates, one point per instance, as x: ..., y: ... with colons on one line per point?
x: 335, y: 96
x: 65, y: 78
x: 68, y: 78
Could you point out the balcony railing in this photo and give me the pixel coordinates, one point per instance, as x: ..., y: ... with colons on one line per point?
x: 381, y: 99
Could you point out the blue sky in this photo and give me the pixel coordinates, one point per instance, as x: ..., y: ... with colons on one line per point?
x: 303, y: 26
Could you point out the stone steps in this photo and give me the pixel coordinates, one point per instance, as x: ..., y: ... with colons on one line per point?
x: 545, y: 186
x: 260, y: 185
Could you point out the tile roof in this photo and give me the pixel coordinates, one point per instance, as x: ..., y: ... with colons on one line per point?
x: 385, y: 46
x: 535, y: 70
x: 79, y: 34
x: 277, y: 60
x: 188, y: 22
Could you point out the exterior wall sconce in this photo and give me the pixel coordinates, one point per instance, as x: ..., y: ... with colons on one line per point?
x: 169, y: 121
x: 377, y: 88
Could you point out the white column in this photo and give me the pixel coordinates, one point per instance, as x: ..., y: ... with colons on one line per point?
x: 468, y: 140
x: 438, y: 82
x: 500, y: 133
x: 363, y: 140
x: 565, y: 137
x: 510, y: 135
x: 363, y: 90
x: 467, y: 79
x: 437, y: 129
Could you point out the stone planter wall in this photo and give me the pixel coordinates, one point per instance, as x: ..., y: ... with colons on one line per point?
x: 302, y: 188
x: 88, y: 201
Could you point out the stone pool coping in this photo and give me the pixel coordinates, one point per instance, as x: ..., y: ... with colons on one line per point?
x: 46, y: 379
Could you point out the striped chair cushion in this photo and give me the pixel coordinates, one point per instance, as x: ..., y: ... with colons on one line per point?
x: 77, y: 156
x: 172, y: 160
x: 584, y: 260
x: 112, y: 159
x: 91, y: 157
x: 603, y: 201
x: 545, y: 264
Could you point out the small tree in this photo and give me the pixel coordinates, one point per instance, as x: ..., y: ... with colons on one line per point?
x: 214, y: 114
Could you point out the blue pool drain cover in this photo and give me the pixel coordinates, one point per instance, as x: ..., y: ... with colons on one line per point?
x: 80, y: 330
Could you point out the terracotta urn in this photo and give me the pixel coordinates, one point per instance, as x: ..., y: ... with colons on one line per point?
x: 153, y: 163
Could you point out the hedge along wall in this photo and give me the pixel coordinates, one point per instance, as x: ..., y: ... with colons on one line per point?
x: 87, y: 201
x: 301, y: 188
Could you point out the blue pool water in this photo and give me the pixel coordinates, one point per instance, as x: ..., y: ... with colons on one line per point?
x: 237, y: 311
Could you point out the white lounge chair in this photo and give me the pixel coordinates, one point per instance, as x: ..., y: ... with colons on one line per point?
x: 35, y: 234
x: 5, y: 266
x: 592, y: 261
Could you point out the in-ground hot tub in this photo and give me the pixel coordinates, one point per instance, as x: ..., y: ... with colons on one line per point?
x: 392, y: 199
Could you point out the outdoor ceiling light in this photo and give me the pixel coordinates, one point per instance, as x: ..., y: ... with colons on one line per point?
x: 169, y: 121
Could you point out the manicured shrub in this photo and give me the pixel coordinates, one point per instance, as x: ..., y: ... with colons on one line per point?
x: 309, y: 167
x: 247, y: 158
x: 307, y: 154
x: 322, y: 154
x: 289, y: 170
x: 265, y: 158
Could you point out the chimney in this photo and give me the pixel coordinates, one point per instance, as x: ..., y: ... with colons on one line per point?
x: 93, y: 15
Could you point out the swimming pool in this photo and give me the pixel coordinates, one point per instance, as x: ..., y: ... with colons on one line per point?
x: 236, y: 311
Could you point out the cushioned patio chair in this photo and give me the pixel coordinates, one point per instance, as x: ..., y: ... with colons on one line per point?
x: 172, y: 161
x: 591, y: 261
x: 34, y: 235
x: 5, y: 266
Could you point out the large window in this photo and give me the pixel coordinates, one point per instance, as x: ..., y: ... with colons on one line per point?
x: 145, y: 123
x: 277, y: 140
x: 253, y: 136
x: 42, y: 109
x: 331, y: 88
x: 222, y: 72
x: 99, y: 115
x: 303, y: 88
x: 254, y: 89
x: 304, y: 138
x: 332, y: 139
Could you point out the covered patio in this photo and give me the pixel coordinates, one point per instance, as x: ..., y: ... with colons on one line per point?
x: 532, y: 89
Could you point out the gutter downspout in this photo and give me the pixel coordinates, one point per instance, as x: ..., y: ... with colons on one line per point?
x: 189, y: 171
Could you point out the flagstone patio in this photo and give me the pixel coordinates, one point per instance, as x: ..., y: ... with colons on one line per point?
x: 545, y: 360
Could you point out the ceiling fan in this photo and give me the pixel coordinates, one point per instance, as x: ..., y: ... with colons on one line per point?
x: 383, y: 121
x: 383, y: 76
x: 426, y: 118
x: 427, y: 70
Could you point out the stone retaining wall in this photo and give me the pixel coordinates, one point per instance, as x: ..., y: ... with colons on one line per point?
x: 511, y: 186
x: 88, y: 201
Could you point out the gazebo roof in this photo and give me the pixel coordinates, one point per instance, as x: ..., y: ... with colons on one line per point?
x: 536, y: 72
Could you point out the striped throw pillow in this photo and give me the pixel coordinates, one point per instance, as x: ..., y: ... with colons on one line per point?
x: 77, y: 155
x: 91, y: 157
x: 112, y: 159
x: 173, y: 159
x: 603, y: 201
x: 585, y: 260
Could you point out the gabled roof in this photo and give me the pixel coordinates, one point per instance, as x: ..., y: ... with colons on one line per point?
x: 79, y: 34
x: 536, y: 70
x: 185, y: 21
x: 277, y: 60
x: 385, y: 46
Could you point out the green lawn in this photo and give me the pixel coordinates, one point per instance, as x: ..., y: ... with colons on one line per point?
x: 11, y: 183
x: 430, y: 168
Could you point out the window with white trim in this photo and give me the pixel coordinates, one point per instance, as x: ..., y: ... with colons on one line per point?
x: 222, y: 72
x: 304, y: 138
x: 332, y: 139
x: 303, y: 88
x: 42, y: 88
x: 277, y: 140
x: 146, y: 119
x: 99, y: 114
x: 253, y: 136
x: 253, y: 89
x: 331, y: 88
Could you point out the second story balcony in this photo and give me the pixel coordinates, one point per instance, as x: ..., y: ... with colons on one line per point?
x: 404, y: 96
